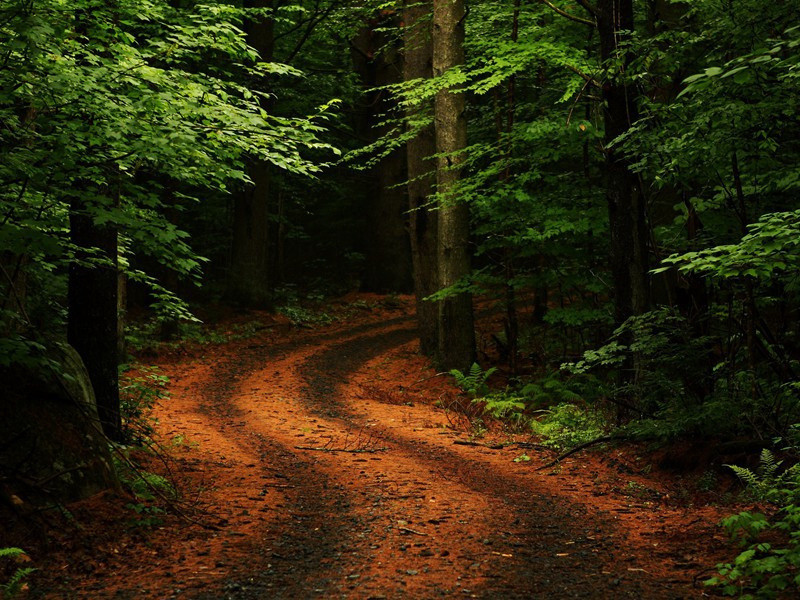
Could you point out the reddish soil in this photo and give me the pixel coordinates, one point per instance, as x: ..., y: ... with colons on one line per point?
x: 324, y: 464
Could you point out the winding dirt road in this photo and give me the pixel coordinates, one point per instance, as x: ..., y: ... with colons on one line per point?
x: 330, y: 473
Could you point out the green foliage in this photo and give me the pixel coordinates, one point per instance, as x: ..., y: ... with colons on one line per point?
x: 305, y: 317
x: 667, y: 353
x: 550, y: 407
x: 567, y: 425
x: 504, y: 406
x: 769, y: 564
x: 147, y: 516
x: 474, y: 383
x: 13, y: 586
x: 126, y: 113
x: 139, y: 393
x: 770, y: 483
x: 770, y: 250
x: 144, y: 485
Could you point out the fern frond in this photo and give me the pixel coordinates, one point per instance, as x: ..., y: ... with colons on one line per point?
x: 746, y: 475
x: 14, y: 585
x: 769, y: 466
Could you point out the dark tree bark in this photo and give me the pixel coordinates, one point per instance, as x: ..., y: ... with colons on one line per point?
x: 388, y: 255
x: 93, y: 314
x: 248, y: 280
x: 93, y: 327
x: 626, y: 205
x: 456, y: 329
x: 418, y: 57
x: 249, y: 276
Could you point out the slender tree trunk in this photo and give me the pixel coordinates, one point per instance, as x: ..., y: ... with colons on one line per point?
x: 92, y: 324
x: 456, y: 329
x: 249, y: 277
x: 418, y: 56
x: 626, y: 206
x: 512, y: 319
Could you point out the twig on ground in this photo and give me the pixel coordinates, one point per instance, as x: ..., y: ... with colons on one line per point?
x: 424, y: 379
x: 500, y: 446
x: 351, y: 450
x: 479, y: 444
x: 530, y: 445
x: 576, y: 449
x: 413, y: 531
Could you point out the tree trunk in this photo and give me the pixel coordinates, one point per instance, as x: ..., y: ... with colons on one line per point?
x: 388, y: 255
x: 248, y: 280
x: 249, y: 276
x: 92, y: 327
x: 456, y: 330
x: 418, y: 56
x: 626, y: 206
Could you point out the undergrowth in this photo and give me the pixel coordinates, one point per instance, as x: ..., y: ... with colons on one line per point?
x: 768, y: 565
x: 141, y: 388
x: 305, y: 317
x: 148, y: 490
x: 15, y: 582
x: 148, y: 336
x: 551, y: 407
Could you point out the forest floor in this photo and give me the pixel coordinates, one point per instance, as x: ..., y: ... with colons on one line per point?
x: 330, y: 462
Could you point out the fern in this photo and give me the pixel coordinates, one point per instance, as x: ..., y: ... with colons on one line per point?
x: 14, y: 585
x: 473, y: 382
x: 504, y: 406
x: 768, y: 482
x: 749, y: 479
x: 766, y: 568
x: 769, y: 466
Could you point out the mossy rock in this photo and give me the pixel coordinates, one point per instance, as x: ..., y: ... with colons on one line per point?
x: 51, y: 446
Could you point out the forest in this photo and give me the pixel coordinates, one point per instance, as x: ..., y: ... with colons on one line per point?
x: 381, y: 299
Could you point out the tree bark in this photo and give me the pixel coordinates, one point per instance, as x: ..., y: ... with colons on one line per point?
x: 418, y: 57
x: 455, y: 323
x: 388, y: 255
x: 92, y: 323
x: 626, y: 206
x: 249, y: 276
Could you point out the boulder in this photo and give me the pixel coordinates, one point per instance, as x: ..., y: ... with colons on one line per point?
x: 52, y: 448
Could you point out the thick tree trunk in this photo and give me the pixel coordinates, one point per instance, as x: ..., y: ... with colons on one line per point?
x: 418, y: 50
x: 388, y: 255
x: 456, y: 330
x: 249, y: 276
x: 93, y: 314
x: 626, y: 206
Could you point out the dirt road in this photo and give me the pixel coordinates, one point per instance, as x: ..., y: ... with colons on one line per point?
x: 328, y: 471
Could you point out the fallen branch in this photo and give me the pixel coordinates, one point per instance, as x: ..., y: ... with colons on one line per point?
x: 479, y: 444
x: 352, y: 451
x: 427, y: 379
x: 414, y: 531
x: 576, y: 449
x: 500, y: 446
x: 530, y: 445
